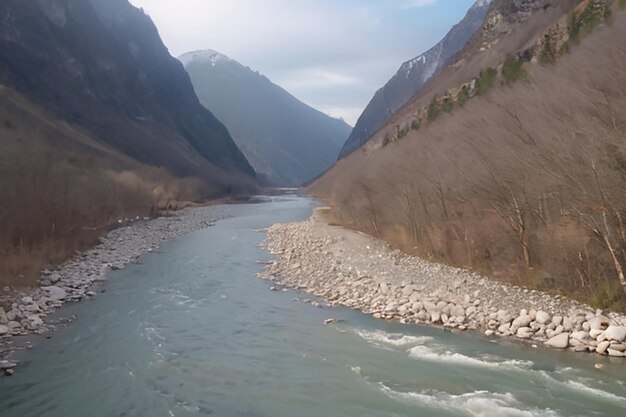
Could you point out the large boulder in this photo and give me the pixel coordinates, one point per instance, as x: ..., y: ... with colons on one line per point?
x: 521, y: 321
x: 542, y: 317
x: 599, y: 323
x: 3, y: 329
x: 524, y: 333
x: 602, y: 347
x: 560, y: 341
x: 617, y: 333
x: 55, y: 293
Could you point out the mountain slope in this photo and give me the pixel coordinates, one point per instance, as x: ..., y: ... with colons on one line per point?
x: 100, y: 64
x: 97, y: 123
x: 285, y: 140
x: 522, y: 180
x: 412, y: 76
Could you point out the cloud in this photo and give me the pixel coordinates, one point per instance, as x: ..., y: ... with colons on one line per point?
x: 331, y: 54
x: 317, y: 77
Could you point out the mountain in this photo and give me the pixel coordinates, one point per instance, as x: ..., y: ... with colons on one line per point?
x: 512, y: 160
x: 412, y: 76
x: 97, y: 123
x: 101, y: 65
x: 286, y: 141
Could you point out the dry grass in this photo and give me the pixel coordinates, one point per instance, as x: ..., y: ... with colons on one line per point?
x: 61, y: 190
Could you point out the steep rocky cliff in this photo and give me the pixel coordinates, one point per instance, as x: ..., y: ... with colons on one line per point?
x: 97, y: 123
x: 412, y: 76
x: 100, y: 65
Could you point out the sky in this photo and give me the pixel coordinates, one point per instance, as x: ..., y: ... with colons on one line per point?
x: 330, y: 54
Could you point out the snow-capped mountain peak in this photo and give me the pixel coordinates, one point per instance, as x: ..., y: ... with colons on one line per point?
x: 207, y: 55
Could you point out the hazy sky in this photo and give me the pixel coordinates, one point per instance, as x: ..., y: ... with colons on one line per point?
x: 331, y: 54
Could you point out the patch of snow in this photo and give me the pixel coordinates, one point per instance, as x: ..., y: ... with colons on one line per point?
x: 481, y: 3
x: 208, y: 55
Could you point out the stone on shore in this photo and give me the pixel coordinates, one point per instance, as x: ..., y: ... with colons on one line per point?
x: 599, y: 323
x: 616, y: 353
x: 4, y: 329
x: 542, y: 317
x: 524, y: 332
x: 602, y: 347
x: 560, y: 341
x: 4, y: 365
x: 617, y: 333
x: 55, y: 293
x: 521, y: 321
x: 392, y: 286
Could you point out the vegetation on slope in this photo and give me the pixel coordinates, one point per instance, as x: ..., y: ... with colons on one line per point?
x: 524, y: 182
x: 61, y: 190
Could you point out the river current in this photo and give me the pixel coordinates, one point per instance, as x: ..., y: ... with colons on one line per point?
x: 190, y: 331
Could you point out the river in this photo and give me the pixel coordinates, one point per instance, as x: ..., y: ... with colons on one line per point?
x: 190, y: 331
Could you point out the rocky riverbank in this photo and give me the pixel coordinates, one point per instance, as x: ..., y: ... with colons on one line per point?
x: 351, y: 269
x: 24, y: 311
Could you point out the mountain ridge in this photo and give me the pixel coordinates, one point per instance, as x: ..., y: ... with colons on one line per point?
x: 102, y: 65
x: 287, y: 141
x: 412, y: 76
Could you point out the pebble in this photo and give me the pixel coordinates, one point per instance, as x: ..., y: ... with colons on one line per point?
x: 354, y: 270
x: 72, y: 281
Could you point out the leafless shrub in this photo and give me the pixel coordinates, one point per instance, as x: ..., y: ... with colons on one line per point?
x: 525, y: 183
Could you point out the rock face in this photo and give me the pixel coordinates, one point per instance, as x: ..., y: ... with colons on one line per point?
x: 412, y: 76
x: 101, y: 65
x: 286, y: 141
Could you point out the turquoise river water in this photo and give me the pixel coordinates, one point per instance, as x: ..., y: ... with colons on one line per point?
x: 190, y: 331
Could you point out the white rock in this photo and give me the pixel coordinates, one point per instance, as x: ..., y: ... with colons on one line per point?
x: 506, y: 327
x: 521, y: 321
x: 3, y: 317
x: 435, y: 317
x: 580, y: 335
x: 3, y: 329
x: 617, y: 353
x: 595, y: 333
x: 599, y: 322
x: 542, y: 317
x: 620, y: 346
x: 55, y: 293
x: 602, y: 347
x: 568, y: 324
x: 557, y: 320
x: 560, y: 341
x: 617, y: 333
x: 429, y: 306
x: 524, y: 332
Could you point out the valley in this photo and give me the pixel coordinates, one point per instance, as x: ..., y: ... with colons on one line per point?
x: 194, y: 236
